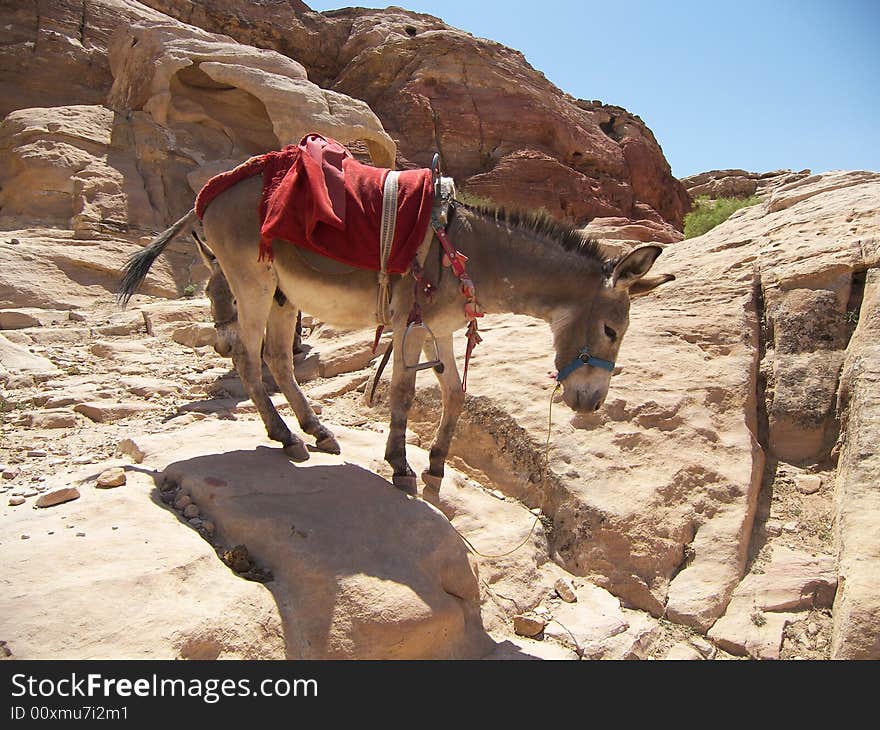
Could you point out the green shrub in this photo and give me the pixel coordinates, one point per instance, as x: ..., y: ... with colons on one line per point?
x: 706, y: 213
x: 476, y: 201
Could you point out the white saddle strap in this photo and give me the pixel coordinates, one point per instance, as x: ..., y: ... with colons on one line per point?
x: 386, y: 241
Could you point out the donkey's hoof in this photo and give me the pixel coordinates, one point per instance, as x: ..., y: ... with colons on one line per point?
x: 328, y: 444
x: 431, y: 481
x: 406, y: 483
x: 297, y: 451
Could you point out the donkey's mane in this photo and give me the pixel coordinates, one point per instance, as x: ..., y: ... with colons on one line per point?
x: 546, y: 228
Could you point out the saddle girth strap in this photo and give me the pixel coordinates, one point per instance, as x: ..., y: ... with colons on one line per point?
x: 386, y: 242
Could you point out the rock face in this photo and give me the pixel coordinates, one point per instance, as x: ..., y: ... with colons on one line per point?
x: 82, y: 183
x: 655, y: 498
x: 502, y: 130
x: 857, y: 608
x: 739, y: 183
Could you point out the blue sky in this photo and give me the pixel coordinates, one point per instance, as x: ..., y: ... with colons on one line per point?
x: 755, y: 85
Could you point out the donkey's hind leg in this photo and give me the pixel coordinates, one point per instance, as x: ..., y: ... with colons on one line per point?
x: 253, y: 314
x: 453, y: 401
x: 280, y: 333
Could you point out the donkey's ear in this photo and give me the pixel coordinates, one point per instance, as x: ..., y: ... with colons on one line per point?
x: 648, y: 283
x: 634, y: 266
x: 206, y: 253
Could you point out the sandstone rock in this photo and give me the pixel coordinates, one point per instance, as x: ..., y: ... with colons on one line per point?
x: 525, y: 625
x: 808, y: 483
x: 612, y: 230
x: 515, y: 648
x: 130, y: 351
x: 182, y: 502
x: 124, y: 323
x: 113, y: 477
x: 344, y: 596
x: 856, y: 631
x: 336, y: 353
x: 589, y: 623
x: 58, y: 496
x: 168, y: 316
x: 15, y: 501
x: 683, y: 651
x: 756, y: 634
x: 191, y: 510
x: 57, y: 335
x: 525, y: 144
x: 761, y: 605
x: 16, y: 359
x: 53, y: 418
x: 120, y: 608
x: 337, y: 386
x: 180, y: 74
x: 565, y: 590
x: 13, y: 319
x: 107, y: 411
x: 147, y: 387
x: 706, y: 648
x: 739, y: 183
x: 195, y: 335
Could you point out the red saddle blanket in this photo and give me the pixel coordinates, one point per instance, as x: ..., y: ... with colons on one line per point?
x: 316, y: 195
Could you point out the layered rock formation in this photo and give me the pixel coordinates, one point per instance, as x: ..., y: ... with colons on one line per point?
x: 502, y: 129
x: 738, y: 183
x: 183, y: 105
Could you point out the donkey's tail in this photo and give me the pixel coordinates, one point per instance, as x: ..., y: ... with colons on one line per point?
x: 138, y: 265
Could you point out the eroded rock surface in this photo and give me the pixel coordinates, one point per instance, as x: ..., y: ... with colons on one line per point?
x: 502, y: 129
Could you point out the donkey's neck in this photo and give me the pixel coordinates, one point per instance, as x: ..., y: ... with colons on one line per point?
x: 515, y: 271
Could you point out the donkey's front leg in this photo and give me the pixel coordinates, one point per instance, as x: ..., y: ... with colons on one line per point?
x: 403, y: 385
x: 453, y: 401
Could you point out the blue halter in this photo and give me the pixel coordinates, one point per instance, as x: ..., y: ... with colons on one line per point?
x: 584, y: 358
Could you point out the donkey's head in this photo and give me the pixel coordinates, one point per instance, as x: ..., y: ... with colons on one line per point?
x: 223, y: 308
x: 587, y: 336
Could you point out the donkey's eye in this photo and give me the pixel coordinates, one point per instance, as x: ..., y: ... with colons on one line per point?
x: 610, y: 333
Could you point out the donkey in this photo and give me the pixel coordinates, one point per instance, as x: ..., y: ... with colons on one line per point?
x: 520, y: 264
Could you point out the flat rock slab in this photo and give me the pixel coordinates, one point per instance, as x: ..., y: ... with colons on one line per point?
x: 162, y: 316
x: 751, y: 633
x: 20, y: 318
x: 106, y: 411
x: 53, y: 418
x: 764, y: 603
x: 361, y: 570
x: 195, y: 334
x: 58, y: 496
x: 114, y: 575
x: 122, y: 351
x: 598, y: 628
x: 15, y: 358
x: 147, y: 387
